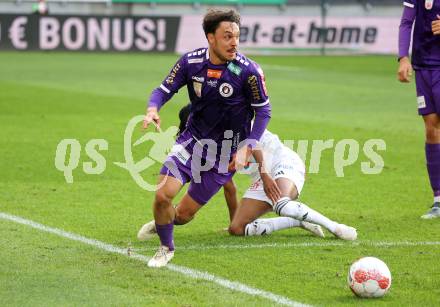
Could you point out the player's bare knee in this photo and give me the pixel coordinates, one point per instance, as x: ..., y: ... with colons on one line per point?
x: 236, y: 229
x: 162, y: 200
x: 432, y: 134
x: 293, y: 193
x: 432, y: 129
x: 183, y: 217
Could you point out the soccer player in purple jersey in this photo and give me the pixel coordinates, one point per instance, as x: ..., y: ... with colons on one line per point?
x: 227, y: 91
x: 425, y: 60
x: 278, y: 178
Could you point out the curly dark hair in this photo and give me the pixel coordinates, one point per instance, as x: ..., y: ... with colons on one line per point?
x: 214, y: 17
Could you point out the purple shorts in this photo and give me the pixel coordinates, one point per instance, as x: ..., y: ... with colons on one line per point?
x: 178, y: 165
x: 428, y: 91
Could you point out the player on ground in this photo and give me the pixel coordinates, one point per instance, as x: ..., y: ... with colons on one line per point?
x: 277, y: 183
x: 226, y: 90
x: 425, y: 61
x: 278, y: 178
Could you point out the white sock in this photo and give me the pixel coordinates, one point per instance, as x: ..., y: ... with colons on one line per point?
x: 437, y: 199
x: 294, y: 209
x: 262, y: 227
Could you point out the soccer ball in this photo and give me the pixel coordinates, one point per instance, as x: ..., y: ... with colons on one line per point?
x: 369, y: 277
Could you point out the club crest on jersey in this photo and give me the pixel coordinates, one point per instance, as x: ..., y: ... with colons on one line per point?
x: 429, y: 4
x: 197, y: 88
x: 226, y: 90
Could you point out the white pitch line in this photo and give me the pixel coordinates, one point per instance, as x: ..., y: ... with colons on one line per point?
x: 305, y: 244
x: 233, y: 285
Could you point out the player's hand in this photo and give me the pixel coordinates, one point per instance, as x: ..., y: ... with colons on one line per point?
x: 435, y: 26
x: 405, y: 70
x: 271, y: 188
x: 151, y: 116
x: 240, y: 159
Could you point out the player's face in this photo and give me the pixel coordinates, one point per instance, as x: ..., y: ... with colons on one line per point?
x: 224, y: 42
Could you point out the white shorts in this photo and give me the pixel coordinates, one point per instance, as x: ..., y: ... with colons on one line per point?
x: 290, y: 166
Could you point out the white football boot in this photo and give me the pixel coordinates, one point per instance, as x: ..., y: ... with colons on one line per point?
x: 259, y: 227
x: 147, y: 231
x: 313, y: 228
x: 161, y: 258
x: 433, y: 213
x: 345, y: 232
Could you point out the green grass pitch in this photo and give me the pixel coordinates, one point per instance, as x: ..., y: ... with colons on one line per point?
x: 47, y: 97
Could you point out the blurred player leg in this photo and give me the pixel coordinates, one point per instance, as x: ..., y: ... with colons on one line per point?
x: 164, y: 214
x: 294, y: 209
x: 186, y: 210
x: 432, y: 150
x: 245, y: 220
x: 428, y: 99
x: 247, y: 212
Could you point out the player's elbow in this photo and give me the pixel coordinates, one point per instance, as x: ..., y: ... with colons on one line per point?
x: 264, y: 111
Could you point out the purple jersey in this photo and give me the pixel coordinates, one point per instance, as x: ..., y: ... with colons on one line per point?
x: 426, y: 45
x: 223, y: 97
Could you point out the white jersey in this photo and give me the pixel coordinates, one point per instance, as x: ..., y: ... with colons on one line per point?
x: 279, y: 161
x: 274, y: 154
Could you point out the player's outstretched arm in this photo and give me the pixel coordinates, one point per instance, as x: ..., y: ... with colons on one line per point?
x: 151, y: 116
x: 160, y: 95
x: 230, y: 192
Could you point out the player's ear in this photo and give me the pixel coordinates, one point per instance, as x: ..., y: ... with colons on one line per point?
x: 211, y: 38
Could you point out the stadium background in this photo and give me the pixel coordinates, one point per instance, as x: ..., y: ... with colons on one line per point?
x: 85, y: 93
x: 271, y: 26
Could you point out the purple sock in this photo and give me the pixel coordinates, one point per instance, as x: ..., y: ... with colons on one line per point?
x: 433, y: 164
x: 165, y: 233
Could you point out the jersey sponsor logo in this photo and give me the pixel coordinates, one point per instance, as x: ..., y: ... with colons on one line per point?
x: 256, y: 185
x: 263, y: 80
x: 170, y: 79
x: 180, y: 153
x: 279, y: 173
x: 197, y: 88
x: 197, y: 60
x: 216, y: 74
x: 226, y: 90
x: 234, y: 68
x: 198, y: 79
x: 429, y: 4
x: 253, y: 83
x: 421, y: 103
x: 212, y: 83
x: 285, y: 167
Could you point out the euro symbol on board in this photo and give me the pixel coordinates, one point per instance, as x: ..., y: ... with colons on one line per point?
x: 17, y: 32
x: 163, y: 142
